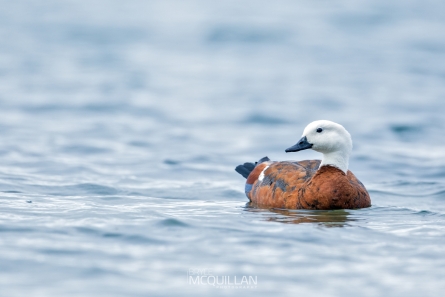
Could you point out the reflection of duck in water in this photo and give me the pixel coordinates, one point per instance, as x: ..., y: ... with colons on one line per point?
x: 326, y: 218
x: 309, y: 184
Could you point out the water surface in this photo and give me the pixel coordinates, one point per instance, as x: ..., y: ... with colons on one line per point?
x: 122, y: 122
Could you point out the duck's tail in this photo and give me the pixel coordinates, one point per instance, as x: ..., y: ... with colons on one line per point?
x: 246, y: 168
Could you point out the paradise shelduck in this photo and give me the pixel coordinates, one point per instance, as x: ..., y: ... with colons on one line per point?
x: 308, y: 184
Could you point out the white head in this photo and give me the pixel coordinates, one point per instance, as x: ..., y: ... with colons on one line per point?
x: 330, y: 139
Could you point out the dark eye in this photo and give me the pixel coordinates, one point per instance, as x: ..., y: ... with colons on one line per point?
x: 319, y: 130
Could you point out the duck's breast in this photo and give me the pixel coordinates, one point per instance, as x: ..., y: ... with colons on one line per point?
x: 331, y: 188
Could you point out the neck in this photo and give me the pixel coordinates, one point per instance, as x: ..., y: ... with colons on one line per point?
x: 337, y: 159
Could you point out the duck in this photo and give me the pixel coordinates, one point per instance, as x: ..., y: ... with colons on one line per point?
x: 309, y: 184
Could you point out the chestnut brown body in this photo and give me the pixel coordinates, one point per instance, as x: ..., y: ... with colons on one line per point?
x: 303, y: 185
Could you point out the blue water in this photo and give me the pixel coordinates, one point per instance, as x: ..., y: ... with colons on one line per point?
x: 121, y: 123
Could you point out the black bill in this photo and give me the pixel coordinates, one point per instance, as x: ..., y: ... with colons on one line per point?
x: 302, y: 144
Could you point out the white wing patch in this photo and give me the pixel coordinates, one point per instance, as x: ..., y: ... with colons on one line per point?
x: 261, y: 177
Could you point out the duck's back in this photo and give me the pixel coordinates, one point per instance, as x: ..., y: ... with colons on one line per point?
x: 302, y: 185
